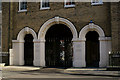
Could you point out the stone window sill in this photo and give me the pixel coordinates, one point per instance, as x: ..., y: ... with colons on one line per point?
x: 45, y: 8
x: 22, y: 11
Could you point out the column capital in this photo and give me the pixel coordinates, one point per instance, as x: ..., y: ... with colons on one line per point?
x: 42, y: 40
x: 36, y: 41
x: 105, y: 38
x: 78, y: 40
x: 18, y: 41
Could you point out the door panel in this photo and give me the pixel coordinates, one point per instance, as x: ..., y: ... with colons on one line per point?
x: 28, y: 50
x: 92, y: 49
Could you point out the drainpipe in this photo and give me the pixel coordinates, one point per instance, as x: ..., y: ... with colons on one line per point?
x: 10, y: 26
x: 9, y: 33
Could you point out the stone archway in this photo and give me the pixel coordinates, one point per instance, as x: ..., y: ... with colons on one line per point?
x: 44, y: 29
x: 17, y: 53
x: 91, y: 27
x: 105, y: 46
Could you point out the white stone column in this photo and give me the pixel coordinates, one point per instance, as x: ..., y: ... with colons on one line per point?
x: 21, y: 52
x: 11, y: 56
x: 105, y: 47
x: 42, y: 52
x: 18, y: 52
x: 36, y: 61
x: 79, y: 53
x: 109, y: 48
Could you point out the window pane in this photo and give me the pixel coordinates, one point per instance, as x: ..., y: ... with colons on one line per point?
x: 93, y: 1
x: 45, y: 3
x: 23, y: 5
x: 96, y: 1
x: 70, y: 2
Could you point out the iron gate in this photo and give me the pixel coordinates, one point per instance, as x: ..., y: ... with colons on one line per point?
x: 58, y: 52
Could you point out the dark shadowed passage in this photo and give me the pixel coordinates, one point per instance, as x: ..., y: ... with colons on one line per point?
x: 58, y: 45
x: 92, y: 49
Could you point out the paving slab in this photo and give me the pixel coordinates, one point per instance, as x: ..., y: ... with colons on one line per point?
x: 21, y: 72
x: 92, y: 71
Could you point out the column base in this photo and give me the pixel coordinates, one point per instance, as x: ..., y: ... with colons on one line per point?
x: 36, y: 63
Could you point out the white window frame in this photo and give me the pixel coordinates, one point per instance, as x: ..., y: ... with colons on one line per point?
x: 96, y: 3
x: 73, y: 5
x: 42, y: 8
x: 24, y: 10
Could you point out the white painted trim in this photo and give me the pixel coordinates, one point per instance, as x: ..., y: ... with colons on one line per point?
x: 22, y: 11
x: 97, y: 3
x: 19, y: 7
x: 43, y: 8
x: 67, y: 6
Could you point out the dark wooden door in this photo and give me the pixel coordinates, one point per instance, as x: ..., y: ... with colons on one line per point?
x: 92, y: 49
x: 28, y: 50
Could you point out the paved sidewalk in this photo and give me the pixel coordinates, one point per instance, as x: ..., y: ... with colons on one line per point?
x: 20, y: 68
x: 38, y: 72
x: 92, y: 71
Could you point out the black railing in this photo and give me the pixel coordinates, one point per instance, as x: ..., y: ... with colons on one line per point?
x: 114, y: 59
x: 4, y: 57
x: 4, y: 53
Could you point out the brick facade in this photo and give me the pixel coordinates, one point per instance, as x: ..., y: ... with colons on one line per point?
x: 107, y: 16
x: 80, y: 15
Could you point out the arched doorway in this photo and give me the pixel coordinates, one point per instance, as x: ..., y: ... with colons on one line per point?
x: 92, y: 49
x: 58, y: 46
x: 18, y: 46
x: 104, y: 45
x: 42, y: 33
x: 28, y: 50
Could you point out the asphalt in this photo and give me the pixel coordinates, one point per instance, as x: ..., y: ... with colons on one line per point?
x: 27, y: 72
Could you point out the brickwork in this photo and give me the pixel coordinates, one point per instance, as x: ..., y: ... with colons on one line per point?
x: 80, y: 15
x: 115, y: 23
x: 5, y: 26
x: 107, y: 16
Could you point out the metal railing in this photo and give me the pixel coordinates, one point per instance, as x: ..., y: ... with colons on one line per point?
x: 114, y: 59
x: 3, y: 56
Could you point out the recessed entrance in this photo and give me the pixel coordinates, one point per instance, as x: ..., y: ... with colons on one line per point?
x: 28, y: 50
x: 58, y: 46
x: 92, y: 49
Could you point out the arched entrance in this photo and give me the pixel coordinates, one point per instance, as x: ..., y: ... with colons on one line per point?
x: 58, y: 46
x: 23, y: 48
x: 42, y: 34
x: 104, y: 46
x: 28, y: 50
x: 92, y: 49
